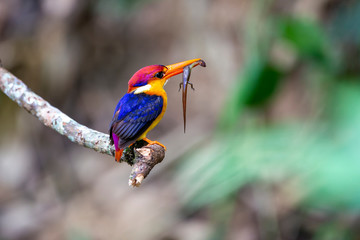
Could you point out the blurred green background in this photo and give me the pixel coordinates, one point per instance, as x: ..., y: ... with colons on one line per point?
x: 272, y: 143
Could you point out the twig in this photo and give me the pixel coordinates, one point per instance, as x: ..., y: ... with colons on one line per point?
x: 52, y: 117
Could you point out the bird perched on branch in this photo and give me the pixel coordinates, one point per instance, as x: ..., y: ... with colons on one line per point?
x: 143, y: 106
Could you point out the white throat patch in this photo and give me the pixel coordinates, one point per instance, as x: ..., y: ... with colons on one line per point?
x: 142, y: 89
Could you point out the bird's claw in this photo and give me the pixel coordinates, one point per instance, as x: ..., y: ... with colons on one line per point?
x: 150, y: 142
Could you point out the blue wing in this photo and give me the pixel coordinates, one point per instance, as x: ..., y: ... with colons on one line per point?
x: 133, y: 115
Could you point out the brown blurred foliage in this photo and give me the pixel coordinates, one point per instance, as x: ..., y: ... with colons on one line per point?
x: 79, y: 55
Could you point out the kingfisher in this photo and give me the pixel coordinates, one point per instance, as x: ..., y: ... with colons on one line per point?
x: 143, y: 106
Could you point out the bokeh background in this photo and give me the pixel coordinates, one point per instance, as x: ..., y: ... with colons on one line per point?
x: 272, y: 143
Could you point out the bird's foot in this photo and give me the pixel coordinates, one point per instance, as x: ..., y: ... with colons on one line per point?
x: 150, y: 142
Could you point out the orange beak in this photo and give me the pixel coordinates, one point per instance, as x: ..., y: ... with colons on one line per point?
x: 177, y: 68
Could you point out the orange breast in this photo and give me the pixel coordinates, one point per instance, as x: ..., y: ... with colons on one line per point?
x: 157, y: 88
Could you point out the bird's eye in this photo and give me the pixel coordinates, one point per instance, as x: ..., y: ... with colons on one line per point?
x: 160, y: 74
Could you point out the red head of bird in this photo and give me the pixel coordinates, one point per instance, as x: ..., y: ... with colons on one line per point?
x: 152, y: 77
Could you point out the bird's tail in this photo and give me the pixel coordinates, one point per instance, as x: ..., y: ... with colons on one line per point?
x: 118, y: 151
x: 118, y: 154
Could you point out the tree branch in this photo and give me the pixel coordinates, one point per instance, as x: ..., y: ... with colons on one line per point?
x: 142, y: 160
